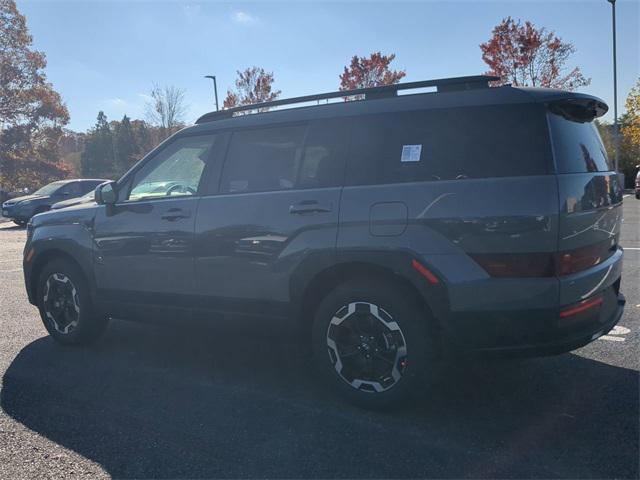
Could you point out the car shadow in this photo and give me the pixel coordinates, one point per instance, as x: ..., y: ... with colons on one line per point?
x: 153, y: 402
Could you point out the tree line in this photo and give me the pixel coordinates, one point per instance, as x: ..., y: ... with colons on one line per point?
x: 36, y: 148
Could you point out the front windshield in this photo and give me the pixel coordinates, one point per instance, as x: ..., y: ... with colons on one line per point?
x: 48, y: 189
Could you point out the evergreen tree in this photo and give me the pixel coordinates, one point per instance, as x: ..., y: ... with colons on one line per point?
x: 125, y: 146
x: 144, y: 138
x: 98, y: 157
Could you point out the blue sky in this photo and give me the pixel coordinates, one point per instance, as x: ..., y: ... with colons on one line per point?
x: 106, y: 55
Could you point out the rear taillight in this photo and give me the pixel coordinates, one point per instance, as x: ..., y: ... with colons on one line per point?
x: 583, y: 258
x: 504, y: 265
x: 517, y: 264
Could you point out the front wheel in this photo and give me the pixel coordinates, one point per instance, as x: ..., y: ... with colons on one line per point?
x: 374, y: 342
x: 65, y: 306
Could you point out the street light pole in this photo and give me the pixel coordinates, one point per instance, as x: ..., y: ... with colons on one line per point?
x: 616, y: 139
x: 215, y: 87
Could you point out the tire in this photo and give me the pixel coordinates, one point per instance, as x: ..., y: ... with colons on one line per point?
x: 69, y: 316
x: 637, y: 195
x: 20, y: 223
x: 387, y: 321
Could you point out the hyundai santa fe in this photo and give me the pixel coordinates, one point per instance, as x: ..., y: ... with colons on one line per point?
x: 390, y: 231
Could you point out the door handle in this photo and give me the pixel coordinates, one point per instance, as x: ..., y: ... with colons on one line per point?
x: 175, y: 214
x: 309, y: 206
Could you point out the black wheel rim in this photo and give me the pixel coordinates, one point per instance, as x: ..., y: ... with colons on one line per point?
x: 61, y: 303
x: 367, y: 347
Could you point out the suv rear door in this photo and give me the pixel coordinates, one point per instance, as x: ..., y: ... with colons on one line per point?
x: 274, y: 205
x: 590, y: 204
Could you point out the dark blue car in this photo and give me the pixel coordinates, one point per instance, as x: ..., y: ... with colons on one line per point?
x: 21, y: 209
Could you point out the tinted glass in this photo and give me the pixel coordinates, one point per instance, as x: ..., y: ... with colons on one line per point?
x: 323, y: 157
x: 261, y: 160
x: 577, y: 146
x: 88, y: 186
x: 71, y: 189
x: 175, y: 170
x: 447, y: 144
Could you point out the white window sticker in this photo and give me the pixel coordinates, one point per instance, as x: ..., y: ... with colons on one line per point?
x: 411, y: 153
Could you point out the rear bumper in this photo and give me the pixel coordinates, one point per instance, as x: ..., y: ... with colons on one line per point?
x: 568, y: 340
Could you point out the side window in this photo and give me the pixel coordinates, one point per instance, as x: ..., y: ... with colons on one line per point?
x: 71, y: 190
x: 577, y: 146
x: 262, y: 160
x: 449, y: 144
x: 324, y: 154
x: 87, y: 187
x: 174, y: 171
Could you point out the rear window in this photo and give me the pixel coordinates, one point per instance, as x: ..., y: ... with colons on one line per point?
x: 577, y: 146
x: 449, y: 144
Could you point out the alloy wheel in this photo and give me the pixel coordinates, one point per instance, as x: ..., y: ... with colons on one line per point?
x: 367, y: 347
x: 61, y: 303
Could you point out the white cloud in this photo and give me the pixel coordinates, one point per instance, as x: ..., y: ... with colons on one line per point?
x: 243, y: 18
x: 117, y: 102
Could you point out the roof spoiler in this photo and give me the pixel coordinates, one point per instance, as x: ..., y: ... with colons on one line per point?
x: 581, y: 108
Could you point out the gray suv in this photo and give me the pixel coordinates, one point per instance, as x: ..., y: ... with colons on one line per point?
x: 388, y: 231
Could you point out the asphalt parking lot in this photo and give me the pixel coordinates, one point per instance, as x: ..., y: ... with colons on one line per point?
x: 158, y: 402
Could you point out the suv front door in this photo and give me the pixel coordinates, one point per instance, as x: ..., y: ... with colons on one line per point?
x: 144, y: 243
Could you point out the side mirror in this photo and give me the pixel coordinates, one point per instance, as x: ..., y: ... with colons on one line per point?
x: 106, y: 193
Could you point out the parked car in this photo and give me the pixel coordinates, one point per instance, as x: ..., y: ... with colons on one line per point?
x: 21, y: 209
x: 387, y: 231
x: 86, y: 198
x: 637, y: 189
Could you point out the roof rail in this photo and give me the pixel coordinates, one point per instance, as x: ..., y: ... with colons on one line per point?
x: 385, y: 91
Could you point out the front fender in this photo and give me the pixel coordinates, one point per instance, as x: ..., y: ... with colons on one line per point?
x: 72, y: 241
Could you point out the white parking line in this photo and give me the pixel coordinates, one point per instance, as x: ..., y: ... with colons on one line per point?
x: 613, y: 334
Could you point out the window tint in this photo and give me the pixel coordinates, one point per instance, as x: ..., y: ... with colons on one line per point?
x: 71, y: 189
x: 323, y: 157
x: 175, y: 170
x: 447, y: 144
x: 261, y: 160
x: 87, y: 187
x: 577, y: 146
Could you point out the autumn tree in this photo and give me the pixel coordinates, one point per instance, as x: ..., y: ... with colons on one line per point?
x: 523, y: 55
x: 253, y: 85
x: 32, y: 114
x: 631, y: 123
x: 166, y: 108
x: 369, y: 72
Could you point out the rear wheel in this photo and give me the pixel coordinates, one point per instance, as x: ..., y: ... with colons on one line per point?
x: 20, y: 223
x: 65, y: 306
x: 638, y: 195
x: 374, y: 343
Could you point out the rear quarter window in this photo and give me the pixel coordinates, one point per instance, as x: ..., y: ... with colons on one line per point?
x: 449, y: 144
x: 577, y: 146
